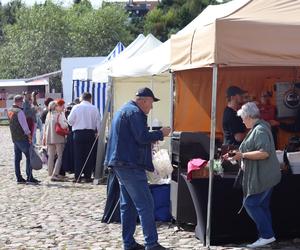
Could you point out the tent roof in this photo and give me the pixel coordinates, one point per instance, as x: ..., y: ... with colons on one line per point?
x: 101, y: 72
x: 23, y: 82
x: 251, y: 33
x: 158, y: 60
x: 85, y: 73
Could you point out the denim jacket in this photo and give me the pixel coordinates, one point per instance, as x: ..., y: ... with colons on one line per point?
x: 129, y: 143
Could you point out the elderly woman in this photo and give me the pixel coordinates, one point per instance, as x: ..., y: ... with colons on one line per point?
x: 55, y: 142
x: 261, y: 171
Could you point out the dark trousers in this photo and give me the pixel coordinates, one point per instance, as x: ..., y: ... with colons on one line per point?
x: 19, y: 148
x: 83, y: 141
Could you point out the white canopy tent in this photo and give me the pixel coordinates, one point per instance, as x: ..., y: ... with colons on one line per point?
x: 85, y: 73
x: 137, y: 47
x: 82, y: 82
x: 101, y: 74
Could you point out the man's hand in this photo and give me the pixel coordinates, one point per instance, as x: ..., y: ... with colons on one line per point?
x: 166, y: 131
x: 29, y: 138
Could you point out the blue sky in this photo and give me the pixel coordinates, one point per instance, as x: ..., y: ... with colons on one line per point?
x: 95, y: 3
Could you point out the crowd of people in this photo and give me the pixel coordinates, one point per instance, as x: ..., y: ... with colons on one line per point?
x: 66, y: 152
x: 128, y: 151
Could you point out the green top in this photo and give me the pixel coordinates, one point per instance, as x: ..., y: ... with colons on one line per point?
x: 260, y: 175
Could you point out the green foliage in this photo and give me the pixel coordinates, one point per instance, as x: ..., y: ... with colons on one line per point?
x: 97, y: 31
x: 171, y: 16
x: 44, y: 33
x: 8, y: 14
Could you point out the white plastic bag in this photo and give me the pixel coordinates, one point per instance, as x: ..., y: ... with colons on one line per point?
x: 162, y: 163
x: 154, y: 178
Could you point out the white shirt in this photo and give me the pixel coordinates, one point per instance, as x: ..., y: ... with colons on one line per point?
x: 84, y: 116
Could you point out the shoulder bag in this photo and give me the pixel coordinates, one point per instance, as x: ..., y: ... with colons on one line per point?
x: 59, y: 130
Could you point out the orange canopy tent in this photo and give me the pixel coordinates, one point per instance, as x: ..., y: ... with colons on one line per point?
x: 252, y: 44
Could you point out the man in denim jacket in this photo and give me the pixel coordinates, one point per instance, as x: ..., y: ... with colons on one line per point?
x: 129, y: 154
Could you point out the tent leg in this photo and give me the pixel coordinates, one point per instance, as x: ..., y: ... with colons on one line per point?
x: 99, y: 169
x: 172, y: 99
x: 211, y: 151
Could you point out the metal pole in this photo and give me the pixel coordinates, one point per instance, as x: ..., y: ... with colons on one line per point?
x: 171, y: 99
x: 151, y: 111
x: 211, y: 151
x: 99, y: 169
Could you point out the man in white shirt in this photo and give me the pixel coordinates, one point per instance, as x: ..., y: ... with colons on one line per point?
x: 85, y: 121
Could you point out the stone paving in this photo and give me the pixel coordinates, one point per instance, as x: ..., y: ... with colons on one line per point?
x: 67, y: 216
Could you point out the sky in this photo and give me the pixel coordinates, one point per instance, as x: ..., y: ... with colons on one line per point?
x: 95, y: 3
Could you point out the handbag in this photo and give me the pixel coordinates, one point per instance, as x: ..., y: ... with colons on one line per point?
x: 35, y: 160
x: 59, y: 130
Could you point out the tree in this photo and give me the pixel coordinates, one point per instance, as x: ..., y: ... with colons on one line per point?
x: 8, y: 14
x: 171, y: 16
x: 96, y: 32
x: 44, y: 33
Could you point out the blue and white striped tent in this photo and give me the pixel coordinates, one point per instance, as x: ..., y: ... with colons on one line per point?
x: 97, y: 89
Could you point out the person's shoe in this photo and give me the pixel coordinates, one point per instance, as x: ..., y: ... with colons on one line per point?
x: 21, y: 181
x: 137, y: 247
x: 56, y: 178
x: 159, y: 247
x: 87, y: 180
x: 75, y: 180
x: 261, y: 242
x: 33, y: 181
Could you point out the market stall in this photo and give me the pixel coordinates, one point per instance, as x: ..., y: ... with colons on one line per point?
x: 10, y: 88
x: 253, y: 46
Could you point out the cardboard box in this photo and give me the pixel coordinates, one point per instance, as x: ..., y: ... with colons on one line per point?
x: 201, y: 173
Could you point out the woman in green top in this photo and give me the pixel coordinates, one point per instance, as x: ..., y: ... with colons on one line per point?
x: 261, y: 171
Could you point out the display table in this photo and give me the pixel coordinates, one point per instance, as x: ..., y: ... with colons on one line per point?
x: 227, y: 226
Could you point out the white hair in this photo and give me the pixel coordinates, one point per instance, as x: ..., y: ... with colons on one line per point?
x: 52, y: 105
x: 249, y: 110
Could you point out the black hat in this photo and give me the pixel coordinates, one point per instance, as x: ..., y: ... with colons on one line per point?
x: 234, y: 90
x: 146, y: 92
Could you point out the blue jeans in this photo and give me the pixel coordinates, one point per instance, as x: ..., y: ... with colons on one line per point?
x: 136, y: 199
x: 258, y: 208
x: 19, y: 148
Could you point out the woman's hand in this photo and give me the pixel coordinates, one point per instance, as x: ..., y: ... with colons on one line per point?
x: 238, y: 155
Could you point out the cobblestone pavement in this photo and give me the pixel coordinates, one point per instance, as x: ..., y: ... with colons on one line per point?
x: 67, y: 216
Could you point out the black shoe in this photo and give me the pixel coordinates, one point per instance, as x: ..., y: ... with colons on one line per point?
x: 87, y: 180
x: 33, y: 181
x: 159, y: 247
x: 137, y: 247
x: 75, y: 180
x: 21, y: 181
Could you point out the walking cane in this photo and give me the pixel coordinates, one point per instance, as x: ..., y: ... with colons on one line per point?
x: 87, y: 158
x: 114, y: 210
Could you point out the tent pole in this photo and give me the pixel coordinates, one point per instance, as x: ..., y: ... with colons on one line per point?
x: 151, y: 111
x: 211, y: 151
x: 99, y: 169
x: 172, y: 99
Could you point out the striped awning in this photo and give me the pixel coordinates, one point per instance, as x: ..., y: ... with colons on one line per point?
x: 97, y: 89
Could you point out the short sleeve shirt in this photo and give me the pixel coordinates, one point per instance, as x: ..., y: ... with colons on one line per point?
x: 232, y: 124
